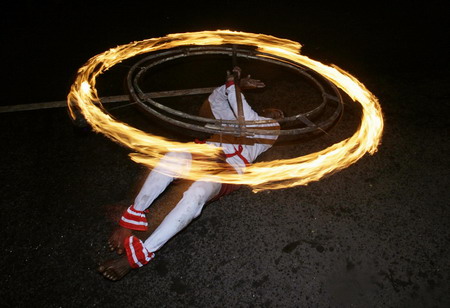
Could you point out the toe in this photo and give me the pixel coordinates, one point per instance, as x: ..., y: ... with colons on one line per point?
x: 107, y: 275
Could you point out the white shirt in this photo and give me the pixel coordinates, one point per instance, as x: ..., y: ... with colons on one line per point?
x: 223, y: 105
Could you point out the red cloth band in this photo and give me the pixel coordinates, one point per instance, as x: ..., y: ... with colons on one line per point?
x: 137, y: 254
x: 134, y: 220
x: 229, y: 83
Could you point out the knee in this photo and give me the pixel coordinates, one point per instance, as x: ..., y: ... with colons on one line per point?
x: 177, y: 163
x: 178, y: 155
x: 198, y: 194
x: 194, y: 199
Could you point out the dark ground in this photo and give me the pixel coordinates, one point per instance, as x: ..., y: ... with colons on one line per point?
x: 373, y: 235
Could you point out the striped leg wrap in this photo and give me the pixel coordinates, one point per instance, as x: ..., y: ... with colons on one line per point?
x: 134, y: 220
x: 137, y: 254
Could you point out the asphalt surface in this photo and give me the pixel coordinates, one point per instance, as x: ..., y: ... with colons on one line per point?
x: 373, y: 235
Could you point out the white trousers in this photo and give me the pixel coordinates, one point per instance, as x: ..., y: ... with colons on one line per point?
x: 188, y: 208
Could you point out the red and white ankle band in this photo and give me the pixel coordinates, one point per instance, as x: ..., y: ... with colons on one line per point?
x: 137, y: 254
x: 134, y: 219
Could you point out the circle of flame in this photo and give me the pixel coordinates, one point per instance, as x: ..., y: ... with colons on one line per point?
x: 260, y: 176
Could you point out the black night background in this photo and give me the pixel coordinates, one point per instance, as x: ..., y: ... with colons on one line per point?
x: 373, y: 235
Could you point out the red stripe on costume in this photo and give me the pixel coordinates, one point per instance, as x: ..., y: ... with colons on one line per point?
x: 134, y: 220
x: 139, y: 250
x: 133, y: 226
x: 150, y: 255
x: 137, y: 254
x: 229, y: 83
x: 238, y: 152
x: 127, y: 244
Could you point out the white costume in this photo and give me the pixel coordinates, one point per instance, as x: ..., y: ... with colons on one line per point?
x: 223, y: 106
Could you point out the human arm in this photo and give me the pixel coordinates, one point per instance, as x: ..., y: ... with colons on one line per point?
x: 223, y: 100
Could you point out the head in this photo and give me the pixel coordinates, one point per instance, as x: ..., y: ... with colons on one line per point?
x: 272, y: 113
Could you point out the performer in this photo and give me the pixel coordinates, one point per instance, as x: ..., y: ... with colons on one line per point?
x: 238, y: 153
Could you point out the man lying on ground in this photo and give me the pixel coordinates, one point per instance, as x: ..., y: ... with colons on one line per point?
x: 238, y: 153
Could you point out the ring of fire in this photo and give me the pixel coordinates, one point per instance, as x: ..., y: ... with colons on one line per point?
x: 260, y: 176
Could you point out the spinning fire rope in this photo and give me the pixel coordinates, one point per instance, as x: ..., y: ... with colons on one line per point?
x: 260, y: 176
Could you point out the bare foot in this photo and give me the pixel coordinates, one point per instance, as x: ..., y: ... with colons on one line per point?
x: 115, y: 269
x: 117, y: 238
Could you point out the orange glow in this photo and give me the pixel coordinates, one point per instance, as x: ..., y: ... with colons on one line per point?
x: 276, y: 174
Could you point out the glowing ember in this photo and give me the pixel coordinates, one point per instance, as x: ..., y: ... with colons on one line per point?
x: 264, y: 175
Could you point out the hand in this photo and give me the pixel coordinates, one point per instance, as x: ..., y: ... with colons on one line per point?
x: 235, y: 72
x: 249, y: 83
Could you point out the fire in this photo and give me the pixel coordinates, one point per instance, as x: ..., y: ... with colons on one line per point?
x: 263, y: 175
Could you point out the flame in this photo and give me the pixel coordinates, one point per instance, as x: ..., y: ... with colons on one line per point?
x: 263, y: 175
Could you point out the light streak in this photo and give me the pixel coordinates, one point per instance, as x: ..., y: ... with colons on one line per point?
x: 275, y: 174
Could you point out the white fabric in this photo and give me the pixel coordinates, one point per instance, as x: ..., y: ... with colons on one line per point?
x: 189, y: 207
x: 193, y: 200
x: 157, y: 181
x: 220, y: 101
